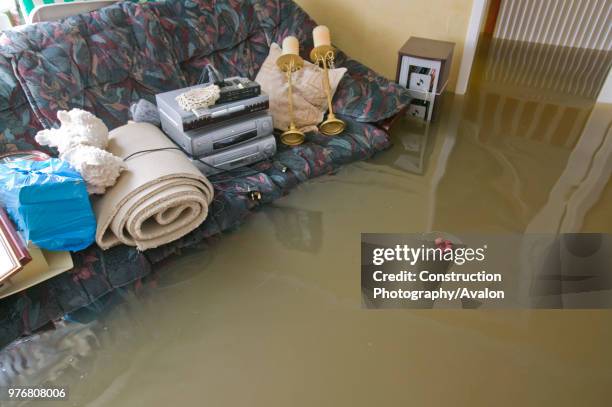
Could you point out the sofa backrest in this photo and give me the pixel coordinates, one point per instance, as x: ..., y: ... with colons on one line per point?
x: 18, y: 123
x: 105, y: 60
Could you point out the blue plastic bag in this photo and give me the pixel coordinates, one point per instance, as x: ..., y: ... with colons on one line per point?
x: 48, y: 202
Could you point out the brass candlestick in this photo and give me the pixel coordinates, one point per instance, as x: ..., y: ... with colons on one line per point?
x: 290, y: 63
x: 325, y: 54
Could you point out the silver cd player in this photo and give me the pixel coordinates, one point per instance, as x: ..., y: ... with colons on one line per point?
x: 244, y: 154
x: 215, y: 138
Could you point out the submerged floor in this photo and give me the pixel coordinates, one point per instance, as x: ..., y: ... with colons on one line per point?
x: 271, y: 315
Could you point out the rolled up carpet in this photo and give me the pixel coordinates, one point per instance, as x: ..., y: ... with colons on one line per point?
x: 160, y: 197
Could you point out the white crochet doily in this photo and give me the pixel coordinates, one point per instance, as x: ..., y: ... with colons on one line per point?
x: 198, y: 98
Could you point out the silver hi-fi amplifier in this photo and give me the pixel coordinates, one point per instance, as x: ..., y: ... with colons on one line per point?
x: 239, y: 156
x: 215, y: 138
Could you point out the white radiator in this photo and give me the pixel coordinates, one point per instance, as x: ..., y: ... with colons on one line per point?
x: 549, y: 48
x: 567, y: 23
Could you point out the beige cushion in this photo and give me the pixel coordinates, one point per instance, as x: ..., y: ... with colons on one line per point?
x: 309, y: 100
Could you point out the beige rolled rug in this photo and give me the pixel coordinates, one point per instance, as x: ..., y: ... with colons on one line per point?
x: 160, y: 196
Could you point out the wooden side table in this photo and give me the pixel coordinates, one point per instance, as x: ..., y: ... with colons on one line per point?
x: 423, y: 66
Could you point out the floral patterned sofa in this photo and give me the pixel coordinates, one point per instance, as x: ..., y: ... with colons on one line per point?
x: 105, y: 60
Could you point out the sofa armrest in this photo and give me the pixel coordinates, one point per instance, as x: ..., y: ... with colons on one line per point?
x: 367, y: 96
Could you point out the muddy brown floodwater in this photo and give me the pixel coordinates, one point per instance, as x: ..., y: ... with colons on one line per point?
x: 270, y: 315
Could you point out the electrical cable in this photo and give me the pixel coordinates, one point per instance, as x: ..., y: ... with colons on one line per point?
x: 152, y: 150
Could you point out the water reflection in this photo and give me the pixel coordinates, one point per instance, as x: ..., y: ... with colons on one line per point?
x: 413, y: 146
x: 537, y: 151
x: 80, y: 356
x: 297, y: 229
x: 576, y: 272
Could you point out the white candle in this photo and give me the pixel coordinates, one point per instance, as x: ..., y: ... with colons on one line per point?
x: 291, y: 46
x: 321, y: 36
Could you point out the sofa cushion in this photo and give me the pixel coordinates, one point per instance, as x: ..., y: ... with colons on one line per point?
x: 100, y: 61
x: 18, y: 124
x: 17, y: 130
x: 226, y: 34
x: 309, y: 98
x: 366, y: 95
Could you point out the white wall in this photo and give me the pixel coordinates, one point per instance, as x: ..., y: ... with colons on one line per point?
x: 605, y: 95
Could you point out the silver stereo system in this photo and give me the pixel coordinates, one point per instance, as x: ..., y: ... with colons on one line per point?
x: 224, y: 136
x: 221, y: 136
x: 244, y: 154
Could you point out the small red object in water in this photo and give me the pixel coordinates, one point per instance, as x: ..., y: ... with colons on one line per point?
x: 443, y: 244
